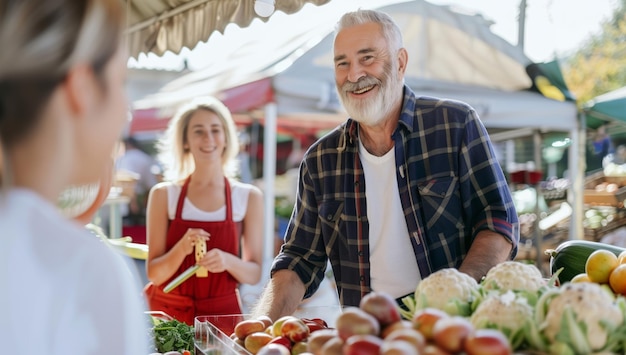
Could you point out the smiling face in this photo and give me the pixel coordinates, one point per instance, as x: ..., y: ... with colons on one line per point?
x: 368, y: 77
x: 205, y: 137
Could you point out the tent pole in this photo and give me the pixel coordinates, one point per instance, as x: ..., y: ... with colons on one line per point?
x: 577, y: 178
x: 269, y: 177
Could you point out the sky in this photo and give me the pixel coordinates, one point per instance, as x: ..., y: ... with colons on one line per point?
x: 553, y: 28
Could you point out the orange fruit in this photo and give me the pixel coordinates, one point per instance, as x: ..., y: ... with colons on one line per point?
x: 621, y: 258
x: 580, y: 278
x: 617, y: 280
x: 599, y: 265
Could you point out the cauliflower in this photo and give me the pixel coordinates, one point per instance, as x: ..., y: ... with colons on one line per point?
x: 507, y: 312
x: 514, y: 276
x: 581, y: 316
x: 447, y: 289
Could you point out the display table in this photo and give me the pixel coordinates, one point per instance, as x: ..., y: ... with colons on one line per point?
x: 112, y: 207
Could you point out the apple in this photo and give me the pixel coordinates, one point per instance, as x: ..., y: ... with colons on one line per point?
x: 299, y: 348
x: 319, y: 338
x: 362, y: 344
x: 382, y: 306
x: 424, y: 320
x: 487, y: 342
x: 353, y: 321
x: 432, y: 349
x: 281, y: 340
x: 402, y: 324
x: 266, y: 320
x: 249, y: 326
x: 255, y: 341
x: 450, y: 333
x: 315, y: 324
x: 278, y: 324
x: 333, y: 346
x: 274, y: 349
x: 294, y: 329
x: 398, y: 347
x: 410, y: 335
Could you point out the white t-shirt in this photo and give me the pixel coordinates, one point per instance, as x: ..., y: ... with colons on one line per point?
x: 63, y: 290
x: 239, y: 193
x: 393, y: 267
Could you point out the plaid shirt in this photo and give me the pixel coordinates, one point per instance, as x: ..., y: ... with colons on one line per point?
x: 451, y: 187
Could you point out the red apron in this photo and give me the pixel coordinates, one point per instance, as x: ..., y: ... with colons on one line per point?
x: 216, y: 294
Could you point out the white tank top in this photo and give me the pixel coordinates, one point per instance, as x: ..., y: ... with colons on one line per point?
x: 393, y: 267
x: 239, y: 193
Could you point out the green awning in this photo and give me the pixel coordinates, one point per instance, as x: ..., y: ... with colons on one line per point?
x: 606, y: 108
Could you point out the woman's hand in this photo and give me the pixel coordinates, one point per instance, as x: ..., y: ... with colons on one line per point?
x: 215, y: 261
x: 192, y: 235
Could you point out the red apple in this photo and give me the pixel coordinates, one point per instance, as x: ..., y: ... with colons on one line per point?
x: 424, y: 320
x: 294, y: 329
x: 487, y: 342
x: 354, y: 320
x: 450, y: 333
x: 398, y: 347
x: 362, y: 344
x: 382, y: 306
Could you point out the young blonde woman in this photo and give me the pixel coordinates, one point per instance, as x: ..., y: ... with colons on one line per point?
x: 62, y: 108
x: 201, y: 203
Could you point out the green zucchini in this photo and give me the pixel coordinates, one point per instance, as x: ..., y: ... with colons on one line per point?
x: 572, y: 256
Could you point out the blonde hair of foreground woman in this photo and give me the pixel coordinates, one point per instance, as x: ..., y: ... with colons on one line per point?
x: 62, y: 108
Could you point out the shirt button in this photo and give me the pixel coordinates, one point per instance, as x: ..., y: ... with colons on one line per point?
x: 362, y: 278
x: 329, y: 217
x: 360, y: 253
x: 356, y: 183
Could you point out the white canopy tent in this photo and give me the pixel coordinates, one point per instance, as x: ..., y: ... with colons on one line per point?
x: 451, y: 54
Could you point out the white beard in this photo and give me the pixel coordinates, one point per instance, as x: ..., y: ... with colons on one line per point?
x: 372, y: 112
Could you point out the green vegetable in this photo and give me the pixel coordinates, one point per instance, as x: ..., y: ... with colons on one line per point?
x: 172, y: 335
x: 572, y: 256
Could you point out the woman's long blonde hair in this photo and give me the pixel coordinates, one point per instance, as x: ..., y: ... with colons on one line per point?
x: 177, y: 162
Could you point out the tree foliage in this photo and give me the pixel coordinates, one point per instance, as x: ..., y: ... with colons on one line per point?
x: 599, y: 66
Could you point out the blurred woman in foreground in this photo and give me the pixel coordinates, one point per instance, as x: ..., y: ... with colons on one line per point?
x: 62, y: 108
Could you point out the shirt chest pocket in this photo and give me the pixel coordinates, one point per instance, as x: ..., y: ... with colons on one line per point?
x: 441, y: 204
x: 330, y: 217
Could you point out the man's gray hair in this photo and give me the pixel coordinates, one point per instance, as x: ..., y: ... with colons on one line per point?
x: 390, y: 29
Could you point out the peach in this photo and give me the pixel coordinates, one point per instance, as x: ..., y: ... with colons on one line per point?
x: 398, y: 347
x: 450, y: 333
x: 333, y: 346
x: 362, y: 344
x: 299, y: 348
x: 274, y: 349
x: 382, y: 306
x: 317, y: 340
x: 294, y: 329
x: 424, y: 320
x: 255, y: 341
x: 278, y: 324
x: 281, y: 340
x: 402, y: 324
x: 247, y: 327
x: 487, y: 342
x: 355, y: 321
x: 410, y: 335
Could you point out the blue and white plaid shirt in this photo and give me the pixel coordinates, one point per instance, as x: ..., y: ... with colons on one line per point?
x: 451, y: 187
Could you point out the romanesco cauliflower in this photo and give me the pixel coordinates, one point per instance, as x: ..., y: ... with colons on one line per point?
x: 447, y: 289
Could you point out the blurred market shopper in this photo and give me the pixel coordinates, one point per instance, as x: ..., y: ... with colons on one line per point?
x: 407, y: 186
x: 201, y: 203
x: 62, y: 108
